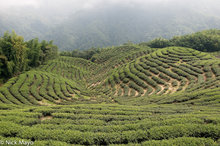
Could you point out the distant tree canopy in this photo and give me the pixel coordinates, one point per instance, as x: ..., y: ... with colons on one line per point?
x: 17, y: 56
x: 157, y: 43
x: 207, y: 41
x: 86, y: 54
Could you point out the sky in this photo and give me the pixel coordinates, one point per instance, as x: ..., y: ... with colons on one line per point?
x: 46, y: 15
x: 79, y: 4
x: 64, y: 8
x: 67, y: 7
x: 87, y: 4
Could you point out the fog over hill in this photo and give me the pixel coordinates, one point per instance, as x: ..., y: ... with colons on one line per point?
x: 84, y: 24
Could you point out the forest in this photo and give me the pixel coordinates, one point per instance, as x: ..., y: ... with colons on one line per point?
x: 206, y: 41
x: 17, y: 55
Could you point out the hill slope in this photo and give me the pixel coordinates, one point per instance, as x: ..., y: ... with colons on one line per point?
x: 129, y: 94
x: 125, y: 71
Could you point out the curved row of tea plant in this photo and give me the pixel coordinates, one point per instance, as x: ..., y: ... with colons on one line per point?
x: 37, y: 87
x: 162, y: 72
x: 105, y: 124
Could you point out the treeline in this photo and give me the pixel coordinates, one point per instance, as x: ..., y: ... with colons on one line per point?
x: 86, y: 54
x: 17, y: 55
x: 207, y: 41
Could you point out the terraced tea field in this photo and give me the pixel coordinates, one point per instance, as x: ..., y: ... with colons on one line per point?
x: 136, y: 95
x: 105, y: 124
x: 164, y: 71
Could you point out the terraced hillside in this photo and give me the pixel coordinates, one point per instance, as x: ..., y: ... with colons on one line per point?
x: 164, y: 71
x: 124, y: 95
x: 60, y: 81
x: 113, y: 74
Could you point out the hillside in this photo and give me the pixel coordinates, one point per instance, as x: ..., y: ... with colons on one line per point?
x: 130, y: 94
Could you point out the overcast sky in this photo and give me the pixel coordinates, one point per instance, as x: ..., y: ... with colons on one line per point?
x: 70, y: 6
x: 7, y: 3
x: 81, y: 3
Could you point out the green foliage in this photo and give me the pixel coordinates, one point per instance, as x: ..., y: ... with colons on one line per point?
x: 15, y: 51
x: 104, y: 124
x: 158, y: 43
x: 203, y: 41
x: 17, y: 56
x: 184, y: 141
x: 86, y: 54
x: 207, y: 41
x: 136, y: 96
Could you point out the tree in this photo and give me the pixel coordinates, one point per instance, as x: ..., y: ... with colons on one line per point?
x: 34, y: 52
x: 49, y: 51
x: 17, y: 56
x: 158, y: 43
x: 14, y: 49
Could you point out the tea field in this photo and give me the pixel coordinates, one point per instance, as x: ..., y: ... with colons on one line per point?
x: 126, y: 95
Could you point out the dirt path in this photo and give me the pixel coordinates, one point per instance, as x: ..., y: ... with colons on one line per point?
x: 152, y: 91
x: 145, y: 91
x: 44, y: 103
x: 94, y: 84
x: 72, y: 95
x: 205, y: 78
x: 129, y: 92
x: 117, y: 88
x: 186, y: 85
x: 171, y: 88
x: 162, y: 88
x: 136, y: 93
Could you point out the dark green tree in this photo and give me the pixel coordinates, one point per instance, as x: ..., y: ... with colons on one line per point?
x: 15, y: 51
x: 34, y: 52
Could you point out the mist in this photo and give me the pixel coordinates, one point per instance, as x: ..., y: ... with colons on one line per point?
x: 96, y: 23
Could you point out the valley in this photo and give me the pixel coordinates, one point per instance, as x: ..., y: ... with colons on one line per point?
x: 129, y: 94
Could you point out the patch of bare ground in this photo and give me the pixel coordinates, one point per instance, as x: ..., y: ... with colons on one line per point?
x: 205, y: 78
x: 129, y: 92
x: 46, y: 118
x: 122, y: 91
x: 136, y: 93
x: 145, y: 91
x: 44, y: 103
x: 93, y: 100
x: 69, y: 99
x: 116, y: 92
x: 171, y: 88
x: 95, y: 84
x: 58, y: 101
x: 72, y: 95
